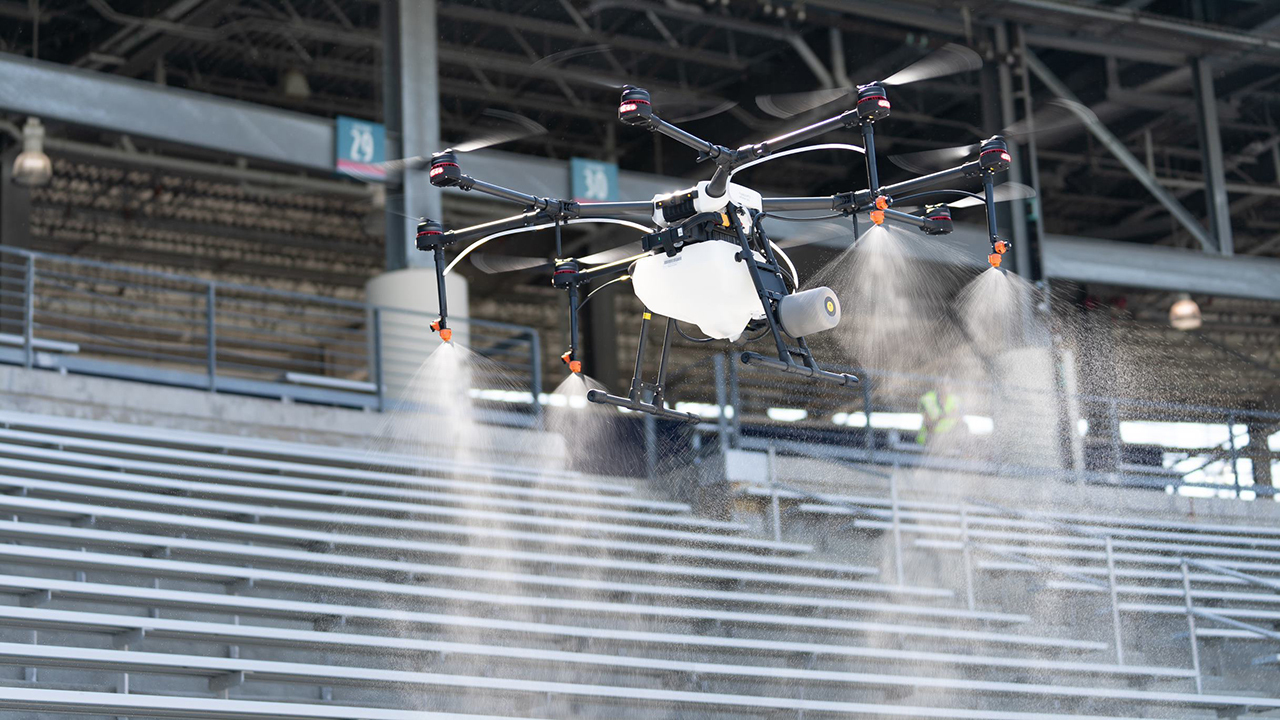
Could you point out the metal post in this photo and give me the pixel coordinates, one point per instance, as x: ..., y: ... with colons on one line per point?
x: 722, y: 422
x: 1115, y: 603
x: 897, y: 525
x: 1235, y: 453
x: 29, y: 312
x: 869, y: 434
x: 1211, y: 152
x: 650, y: 446
x: 968, y: 556
x: 377, y: 360
x: 1191, y: 626
x: 735, y: 402
x: 211, y: 344
x: 773, y: 492
x: 1113, y: 413
x: 535, y: 373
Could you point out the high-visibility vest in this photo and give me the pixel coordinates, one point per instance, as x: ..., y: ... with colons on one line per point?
x: 939, y: 418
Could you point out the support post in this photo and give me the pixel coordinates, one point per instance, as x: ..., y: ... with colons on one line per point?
x: 412, y: 112
x: 774, y: 510
x: 897, y: 526
x: 968, y: 556
x: 722, y: 423
x: 1191, y: 626
x: 1115, y: 603
x: 29, y: 312
x: 1235, y: 452
x: 211, y: 343
x: 1215, y: 174
x: 535, y: 375
x: 377, y: 360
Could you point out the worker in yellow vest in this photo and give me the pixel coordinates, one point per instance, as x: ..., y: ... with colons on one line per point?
x: 940, y: 415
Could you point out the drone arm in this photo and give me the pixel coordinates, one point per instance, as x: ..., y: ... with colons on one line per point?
x: 969, y: 169
x: 761, y: 149
x: 790, y: 204
x: 469, y: 183
x: 614, y: 209
x: 476, y: 231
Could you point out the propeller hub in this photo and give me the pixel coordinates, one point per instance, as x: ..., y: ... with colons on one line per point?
x: 994, y: 155
x: 635, y: 107
x: 444, y: 169
x: 937, y: 220
x: 873, y: 102
x: 566, y: 273
x: 429, y: 232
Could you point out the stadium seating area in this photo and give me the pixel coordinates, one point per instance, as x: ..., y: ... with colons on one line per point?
x: 150, y: 572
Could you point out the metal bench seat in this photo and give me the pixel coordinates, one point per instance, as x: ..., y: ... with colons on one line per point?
x: 978, y: 515
x: 581, y: 608
x: 670, y: 543
x: 140, y: 628
x: 163, y: 523
x: 98, y: 703
x: 250, y: 469
x: 346, y: 565
x: 318, y: 454
x: 1168, y: 557
x: 33, y: 589
x: 11, y: 457
x: 1144, y: 573
x: 274, y: 671
x: 189, y: 708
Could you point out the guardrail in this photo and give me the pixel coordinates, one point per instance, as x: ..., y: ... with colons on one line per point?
x: 1004, y: 428
x: 95, y: 318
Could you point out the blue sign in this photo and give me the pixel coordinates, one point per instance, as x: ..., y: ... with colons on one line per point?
x: 361, y: 149
x: 593, y: 181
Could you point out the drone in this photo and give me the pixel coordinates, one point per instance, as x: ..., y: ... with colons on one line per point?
x: 703, y: 257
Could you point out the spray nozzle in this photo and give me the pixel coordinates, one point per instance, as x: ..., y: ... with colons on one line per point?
x: 439, y: 326
x: 877, y: 217
x: 575, y: 366
x: 882, y: 202
x: 998, y: 249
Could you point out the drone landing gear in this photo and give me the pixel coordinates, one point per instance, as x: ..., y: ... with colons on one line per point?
x: 634, y: 399
x: 771, y: 288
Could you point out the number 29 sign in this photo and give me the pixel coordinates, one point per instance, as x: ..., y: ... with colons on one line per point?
x: 361, y: 147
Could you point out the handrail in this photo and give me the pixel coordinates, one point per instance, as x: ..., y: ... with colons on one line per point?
x: 172, y: 329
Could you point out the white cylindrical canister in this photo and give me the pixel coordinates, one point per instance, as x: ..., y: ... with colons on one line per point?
x: 809, y: 312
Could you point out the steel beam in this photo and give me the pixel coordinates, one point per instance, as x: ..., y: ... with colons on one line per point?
x: 1116, y: 146
x: 1160, y: 268
x: 1215, y: 173
x: 82, y: 97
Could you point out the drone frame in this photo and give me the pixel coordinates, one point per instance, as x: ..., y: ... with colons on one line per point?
x: 635, y: 108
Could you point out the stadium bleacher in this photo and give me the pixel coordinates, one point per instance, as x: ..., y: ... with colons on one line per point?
x: 152, y: 572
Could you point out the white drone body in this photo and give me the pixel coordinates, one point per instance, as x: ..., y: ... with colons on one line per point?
x: 703, y: 284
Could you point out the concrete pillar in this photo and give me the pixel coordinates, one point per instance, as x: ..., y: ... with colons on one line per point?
x: 411, y: 103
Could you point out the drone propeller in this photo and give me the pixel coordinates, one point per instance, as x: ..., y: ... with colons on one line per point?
x: 946, y: 60
x: 686, y: 108
x: 1004, y: 192
x: 516, y: 127
x: 1058, y: 114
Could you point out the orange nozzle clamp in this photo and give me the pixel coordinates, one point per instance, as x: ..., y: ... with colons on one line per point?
x: 446, y: 334
x: 1000, y: 246
x: 882, y: 202
x: 575, y: 366
x: 994, y: 259
x: 435, y: 326
x: 566, y: 356
x: 877, y: 217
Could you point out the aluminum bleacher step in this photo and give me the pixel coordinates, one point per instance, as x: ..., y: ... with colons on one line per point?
x: 318, y: 454
x: 249, y: 470
x: 260, y: 576
x: 677, y: 543
x: 11, y: 457
x: 275, y: 671
x: 248, y: 531
x: 262, y: 556
x: 193, y: 708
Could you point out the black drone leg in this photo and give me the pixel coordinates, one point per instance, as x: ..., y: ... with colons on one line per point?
x: 636, y: 376
x: 660, y: 387
x: 634, y: 399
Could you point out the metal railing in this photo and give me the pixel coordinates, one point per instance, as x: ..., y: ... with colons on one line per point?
x: 890, y: 521
x: 1017, y: 430
x: 84, y: 316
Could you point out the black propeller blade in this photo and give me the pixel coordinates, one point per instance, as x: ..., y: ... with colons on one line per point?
x: 493, y: 263
x: 946, y: 60
x: 1002, y: 193
x: 511, y: 127
x: 1057, y: 115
